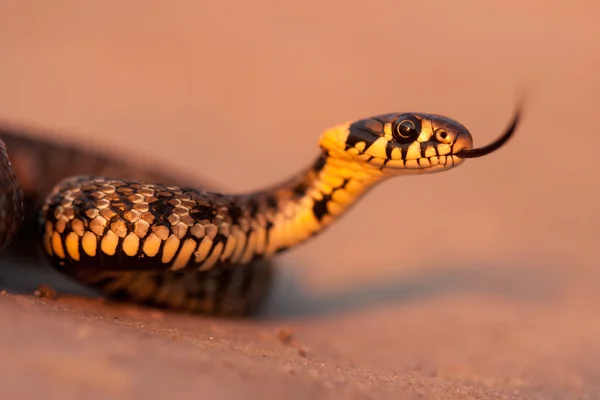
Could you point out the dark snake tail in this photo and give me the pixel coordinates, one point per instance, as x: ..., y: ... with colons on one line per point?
x: 11, y: 200
x: 230, y: 292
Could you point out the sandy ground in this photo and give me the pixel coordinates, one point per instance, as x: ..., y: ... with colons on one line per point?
x: 480, y: 283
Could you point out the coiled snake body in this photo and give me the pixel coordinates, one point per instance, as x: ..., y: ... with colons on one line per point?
x: 169, y: 245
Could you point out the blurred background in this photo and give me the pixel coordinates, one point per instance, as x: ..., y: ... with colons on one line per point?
x: 428, y: 267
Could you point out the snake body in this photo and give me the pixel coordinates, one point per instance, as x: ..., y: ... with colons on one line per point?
x: 173, y: 246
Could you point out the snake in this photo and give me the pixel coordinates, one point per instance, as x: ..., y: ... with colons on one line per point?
x: 154, y: 238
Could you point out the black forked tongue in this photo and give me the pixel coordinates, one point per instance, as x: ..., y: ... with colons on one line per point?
x: 482, y: 151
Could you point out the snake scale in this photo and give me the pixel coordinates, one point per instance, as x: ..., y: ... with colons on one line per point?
x: 111, y: 227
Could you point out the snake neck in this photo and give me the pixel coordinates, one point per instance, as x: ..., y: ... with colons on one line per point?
x: 306, y: 204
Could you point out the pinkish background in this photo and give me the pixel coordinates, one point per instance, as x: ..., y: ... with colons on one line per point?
x: 477, y: 283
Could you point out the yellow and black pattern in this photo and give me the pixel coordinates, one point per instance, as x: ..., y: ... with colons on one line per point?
x: 178, y: 247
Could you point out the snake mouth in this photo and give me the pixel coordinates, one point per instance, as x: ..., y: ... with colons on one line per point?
x: 495, y: 145
x: 423, y: 164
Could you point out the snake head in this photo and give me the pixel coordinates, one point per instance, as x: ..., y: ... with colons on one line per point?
x: 402, y: 143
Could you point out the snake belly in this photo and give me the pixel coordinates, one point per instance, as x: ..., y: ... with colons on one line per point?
x: 160, y: 245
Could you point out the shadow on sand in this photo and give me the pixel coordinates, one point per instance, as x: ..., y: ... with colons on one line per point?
x: 291, y: 298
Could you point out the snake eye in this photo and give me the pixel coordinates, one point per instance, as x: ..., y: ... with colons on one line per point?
x: 406, y: 130
x: 442, y: 136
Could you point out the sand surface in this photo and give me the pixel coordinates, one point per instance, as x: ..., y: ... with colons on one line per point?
x: 479, y: 283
